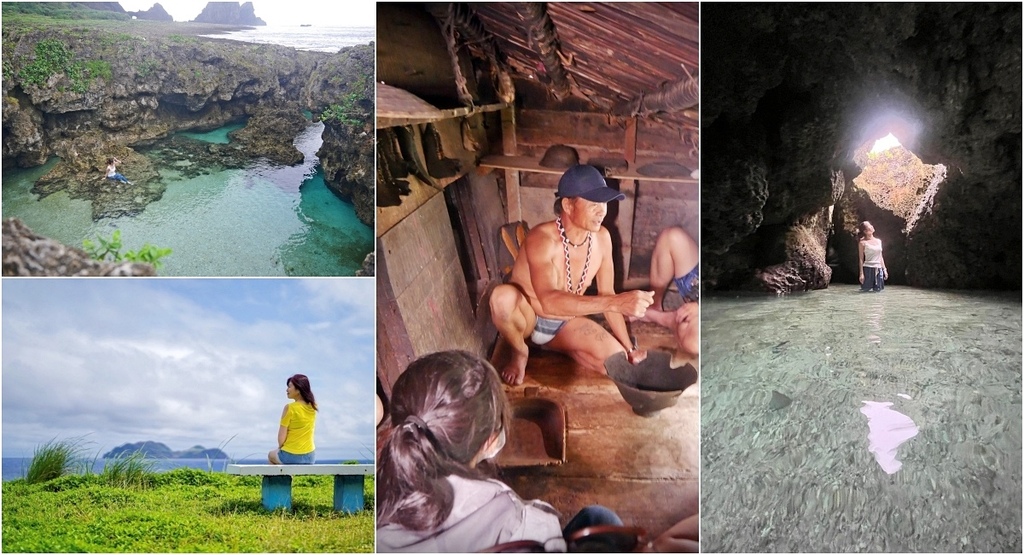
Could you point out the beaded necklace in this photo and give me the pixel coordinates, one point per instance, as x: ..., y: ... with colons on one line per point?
x: 568, y: 269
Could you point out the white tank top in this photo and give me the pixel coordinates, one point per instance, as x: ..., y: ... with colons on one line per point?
x: 872, y: 253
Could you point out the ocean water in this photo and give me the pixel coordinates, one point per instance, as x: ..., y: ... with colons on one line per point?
x: 315, y: 37
x: 15, y: 467
x: 261, y: 220
x: 802, y: 478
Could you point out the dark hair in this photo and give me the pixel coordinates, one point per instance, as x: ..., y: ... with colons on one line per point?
x: 301, y: 383
x: 110, y: 160
x: 444, y: 409
x: 558, y: 204
x: 861, y: 228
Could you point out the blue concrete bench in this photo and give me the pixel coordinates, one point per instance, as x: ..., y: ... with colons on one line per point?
x: 277, y: 482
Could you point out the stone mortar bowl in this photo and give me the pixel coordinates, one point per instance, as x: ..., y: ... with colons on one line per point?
x: 653, y: 384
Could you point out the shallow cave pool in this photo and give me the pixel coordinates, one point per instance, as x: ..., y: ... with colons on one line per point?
x: 838, y: 421
x: 261, y: 219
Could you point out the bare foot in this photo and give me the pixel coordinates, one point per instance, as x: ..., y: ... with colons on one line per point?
x: 514, y: 372
x: 663, y: 319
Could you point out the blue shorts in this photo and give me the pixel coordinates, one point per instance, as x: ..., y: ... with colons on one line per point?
x: 292, y: 458
x: 689, y: 285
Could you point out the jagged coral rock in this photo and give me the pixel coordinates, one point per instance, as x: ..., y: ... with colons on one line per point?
x: 29, y: 254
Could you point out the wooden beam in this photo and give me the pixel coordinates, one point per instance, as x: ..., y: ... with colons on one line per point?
x: 627, y: 206
x: 513, y: 204
x: 532, y: 164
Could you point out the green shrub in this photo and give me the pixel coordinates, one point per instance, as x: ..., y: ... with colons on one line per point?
x: 188, y: 477
x: 54, y: 459
x: 110, y: 251
x: 69, y: 482
x: 98, y: 68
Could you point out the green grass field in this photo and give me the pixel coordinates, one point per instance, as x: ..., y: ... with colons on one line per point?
x: 184, y: 510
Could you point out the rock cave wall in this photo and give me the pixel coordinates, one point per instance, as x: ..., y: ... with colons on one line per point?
x: 789, y: 94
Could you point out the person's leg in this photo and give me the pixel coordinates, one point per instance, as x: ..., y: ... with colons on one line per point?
x: 593, y: 515
x: 587, y: 343
x: 868, y: 279
x: 514, y: 318
x: 675, y: 254
x: 688, y: 329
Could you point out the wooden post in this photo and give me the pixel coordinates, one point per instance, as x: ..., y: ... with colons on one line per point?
x: 627, y: 208
x: 513, y: 203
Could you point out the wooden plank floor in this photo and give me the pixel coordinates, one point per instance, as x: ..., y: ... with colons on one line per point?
x: 644, y: 468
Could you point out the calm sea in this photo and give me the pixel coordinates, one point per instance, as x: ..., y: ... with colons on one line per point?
x: 315, y: 38
x: 15, y: 467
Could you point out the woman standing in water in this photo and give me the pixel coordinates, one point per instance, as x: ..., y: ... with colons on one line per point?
x: 872, y: 265
x: 448, y: 413
x: 295, y: 436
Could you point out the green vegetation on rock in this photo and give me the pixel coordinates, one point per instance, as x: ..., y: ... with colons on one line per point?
x: 52, y: 56
x: 109, y: 250
x: 345, y: 112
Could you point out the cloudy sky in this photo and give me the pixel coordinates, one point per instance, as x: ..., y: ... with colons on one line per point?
x: 355, y: 13
x: 186, y: 362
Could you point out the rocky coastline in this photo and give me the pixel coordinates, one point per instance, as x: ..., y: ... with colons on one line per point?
x: 86, y: 91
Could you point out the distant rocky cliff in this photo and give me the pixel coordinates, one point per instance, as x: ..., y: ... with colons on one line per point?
x: 156, y: 13
x: 229, y: 13
x: 156, y: 450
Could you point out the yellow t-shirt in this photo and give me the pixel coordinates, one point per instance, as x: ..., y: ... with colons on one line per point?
x: 300, y: 419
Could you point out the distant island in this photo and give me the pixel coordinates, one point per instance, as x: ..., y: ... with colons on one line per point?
x: 156, y: 450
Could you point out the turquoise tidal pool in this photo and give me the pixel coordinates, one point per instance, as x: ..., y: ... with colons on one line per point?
x: 262, y: 219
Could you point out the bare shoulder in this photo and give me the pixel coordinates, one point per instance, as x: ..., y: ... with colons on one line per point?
x: 543, y: 237
x: 604, y: 238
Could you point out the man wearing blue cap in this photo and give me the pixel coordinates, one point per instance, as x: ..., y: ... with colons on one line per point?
x: 559, y: 260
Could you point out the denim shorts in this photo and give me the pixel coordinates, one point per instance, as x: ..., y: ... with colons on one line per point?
x: 291, y: 458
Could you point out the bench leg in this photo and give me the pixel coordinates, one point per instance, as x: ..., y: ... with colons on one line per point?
x: 277, y: 492
x: 348, y: 493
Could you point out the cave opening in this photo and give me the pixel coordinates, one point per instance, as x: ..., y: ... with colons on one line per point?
x: 892, y: 189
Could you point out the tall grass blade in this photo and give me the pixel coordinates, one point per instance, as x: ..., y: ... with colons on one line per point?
x: 54, y: 459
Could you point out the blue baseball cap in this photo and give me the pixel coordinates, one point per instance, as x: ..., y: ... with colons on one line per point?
x: 587, y: 182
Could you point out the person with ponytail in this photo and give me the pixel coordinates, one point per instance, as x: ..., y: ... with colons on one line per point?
x: 447, y: 414
x: 298, y: 420
x: 872, y: 265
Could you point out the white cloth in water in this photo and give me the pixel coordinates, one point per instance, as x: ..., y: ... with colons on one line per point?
x: 887, y: 430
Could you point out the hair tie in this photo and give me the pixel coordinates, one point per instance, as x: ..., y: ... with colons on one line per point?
x: 415, y: 421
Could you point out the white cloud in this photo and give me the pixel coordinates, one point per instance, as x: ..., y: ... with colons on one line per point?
x: 183, y: 362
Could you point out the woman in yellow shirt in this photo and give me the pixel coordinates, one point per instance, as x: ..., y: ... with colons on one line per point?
x: 295, y: 436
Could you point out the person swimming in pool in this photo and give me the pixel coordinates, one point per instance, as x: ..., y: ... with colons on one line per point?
x: 676, y: 258
x: 558, y: 261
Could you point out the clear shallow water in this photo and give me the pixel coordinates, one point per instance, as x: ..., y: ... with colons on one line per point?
x: 316, y: 38
x: 262, y: 220
x: 801, y: 478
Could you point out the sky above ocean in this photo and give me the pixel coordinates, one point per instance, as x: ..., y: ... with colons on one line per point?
x: 186, y: 362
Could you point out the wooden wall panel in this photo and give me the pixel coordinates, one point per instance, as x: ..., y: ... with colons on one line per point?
x: 429, y: 289
x: 660, y: 205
